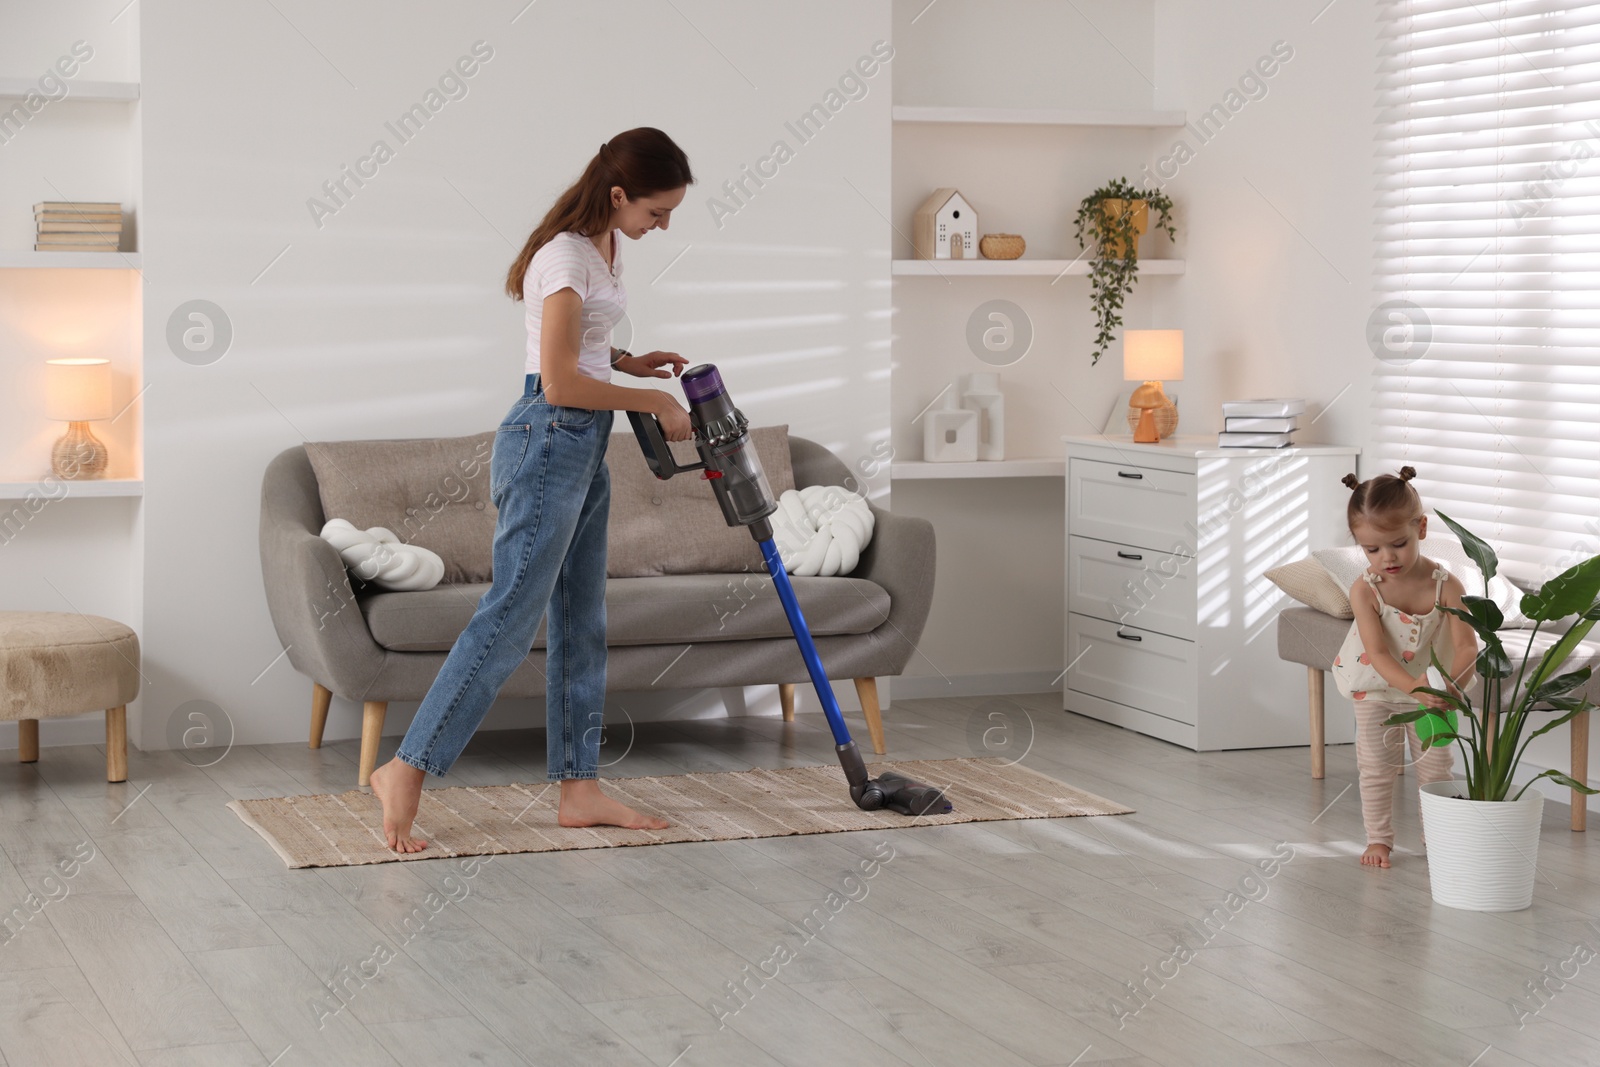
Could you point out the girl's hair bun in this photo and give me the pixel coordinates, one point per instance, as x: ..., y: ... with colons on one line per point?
x: 1352, y: 482
x: 1407, y: 473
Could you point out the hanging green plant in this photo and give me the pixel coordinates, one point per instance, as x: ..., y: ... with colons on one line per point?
x: 1113, y: 217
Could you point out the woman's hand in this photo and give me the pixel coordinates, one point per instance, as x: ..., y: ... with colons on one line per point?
x: 675, y: 425
x: 650, y: 365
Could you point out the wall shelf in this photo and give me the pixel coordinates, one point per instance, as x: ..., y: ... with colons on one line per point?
x: 922, y: 470
x: 1002, y: 267
x: 85, y: 91
x: 24, y: 259
x: 1028, y: 116
x: 99, y: 487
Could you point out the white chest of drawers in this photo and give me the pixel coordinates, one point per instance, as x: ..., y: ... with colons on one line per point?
x: 1171, y: 625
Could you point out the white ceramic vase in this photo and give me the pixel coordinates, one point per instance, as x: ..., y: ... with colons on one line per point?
x: 982, y: 393
x: 950, y: 432
x: 1482, y: 854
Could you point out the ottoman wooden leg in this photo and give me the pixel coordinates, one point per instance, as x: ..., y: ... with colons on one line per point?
x: 1579, y: 725
x: 372, y: 713
x: 27, y: 740
x: 1318, y: 732
x: 786, y: 699
x: 867, y: 691
x: 320, y: 697
x: 117, y: 744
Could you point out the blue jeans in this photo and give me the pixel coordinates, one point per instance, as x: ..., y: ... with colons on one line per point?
x: 548, y: 478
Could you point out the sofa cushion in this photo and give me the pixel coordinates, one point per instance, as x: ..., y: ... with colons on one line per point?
x: 1310, y: 583
x: 675, y: 526
x: 662, y: 610
x: 432, y: 492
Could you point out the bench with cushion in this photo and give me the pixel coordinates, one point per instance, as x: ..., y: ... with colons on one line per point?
x: 688, y: 601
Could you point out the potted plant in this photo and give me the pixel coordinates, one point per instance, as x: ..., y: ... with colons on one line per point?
x: 1483, y: 840
x: 1113, y: 217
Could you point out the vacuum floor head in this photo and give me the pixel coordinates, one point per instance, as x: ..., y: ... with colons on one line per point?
x: 906, y: 796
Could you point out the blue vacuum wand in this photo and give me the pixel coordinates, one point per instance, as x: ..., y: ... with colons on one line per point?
x: 729, y: 462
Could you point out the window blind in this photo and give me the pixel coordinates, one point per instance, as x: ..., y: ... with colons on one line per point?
x: 1488, y: 234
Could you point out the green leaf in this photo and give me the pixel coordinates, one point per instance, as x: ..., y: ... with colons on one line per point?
x: 1476, y: 548
x: 1485, y: 611
x: 1493, y: 661
x: 1572, y: 591
x: 1478, y: 623
x: 1403, y: 718
x: 1571, y: 713
x: 1562, y: 683
x: 1557, y: 654
x: 1560, y: 779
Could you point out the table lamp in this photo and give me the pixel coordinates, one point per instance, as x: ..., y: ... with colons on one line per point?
x: 78, y: 392
x: 1151, y: 357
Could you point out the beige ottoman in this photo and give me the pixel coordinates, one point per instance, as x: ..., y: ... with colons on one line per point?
x: 53, y: 664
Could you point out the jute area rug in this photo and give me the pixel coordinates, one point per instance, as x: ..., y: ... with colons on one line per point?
x: 345, y: 829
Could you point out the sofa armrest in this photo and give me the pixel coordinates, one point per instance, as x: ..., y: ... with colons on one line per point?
x: 313, y: 606
x: 900, y: 558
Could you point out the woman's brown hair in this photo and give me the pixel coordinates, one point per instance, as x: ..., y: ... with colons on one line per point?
x: 1384, y: 502
x: 644, y: 161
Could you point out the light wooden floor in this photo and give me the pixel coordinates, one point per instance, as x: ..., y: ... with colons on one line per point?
x: 184, y: 941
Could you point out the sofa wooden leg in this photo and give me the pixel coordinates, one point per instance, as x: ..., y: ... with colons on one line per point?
x: 1579, y: 725
x: 117, y: 744
x: 321, y: 696
x: 786, y: 700
x: 28, y: 740
x: 1318, y: 733
x: 372, y: 713
x: 867, y: 691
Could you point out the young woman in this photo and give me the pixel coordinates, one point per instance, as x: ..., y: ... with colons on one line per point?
x: 548, y: 478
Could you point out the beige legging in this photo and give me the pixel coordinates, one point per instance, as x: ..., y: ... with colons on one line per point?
x: 1379, y: 756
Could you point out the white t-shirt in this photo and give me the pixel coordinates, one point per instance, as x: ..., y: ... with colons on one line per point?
x: 571, y: 261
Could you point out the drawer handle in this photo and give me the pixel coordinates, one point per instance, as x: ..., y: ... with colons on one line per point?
x: 1128, y: 555
x: 1129, y: 637
x: 1129, y: 474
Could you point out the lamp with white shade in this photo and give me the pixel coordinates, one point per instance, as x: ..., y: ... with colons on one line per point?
x: 1151, y: 357
x: 78, y: 392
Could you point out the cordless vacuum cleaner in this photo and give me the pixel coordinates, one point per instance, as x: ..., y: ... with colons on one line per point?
x: 729, y: 461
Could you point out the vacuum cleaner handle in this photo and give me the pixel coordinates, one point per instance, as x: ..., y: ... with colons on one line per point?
x: 647, y: 428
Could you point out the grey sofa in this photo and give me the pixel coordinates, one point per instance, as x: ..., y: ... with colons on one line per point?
x: 688, y: 631
x: 1313, y: 638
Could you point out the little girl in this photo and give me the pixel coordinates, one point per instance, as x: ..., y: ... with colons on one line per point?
x: 1384, y: 659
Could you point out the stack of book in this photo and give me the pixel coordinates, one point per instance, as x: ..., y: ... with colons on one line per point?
x: 1259, y: 423
x: 71, y: 226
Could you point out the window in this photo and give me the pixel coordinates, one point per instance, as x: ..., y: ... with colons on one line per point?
x: 1488, y: 266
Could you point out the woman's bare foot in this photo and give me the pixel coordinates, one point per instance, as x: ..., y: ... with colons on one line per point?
x: 1376, y: 856
x: 399, y: 786
x: 582, y: 804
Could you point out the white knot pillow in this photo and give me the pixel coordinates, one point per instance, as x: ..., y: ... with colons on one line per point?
x: 379, y: 557
x: 821, y: 529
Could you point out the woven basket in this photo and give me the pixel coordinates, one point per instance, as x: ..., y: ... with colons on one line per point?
x: 1001, y: 245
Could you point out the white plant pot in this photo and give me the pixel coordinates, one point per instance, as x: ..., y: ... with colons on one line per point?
x: 1482, y: 854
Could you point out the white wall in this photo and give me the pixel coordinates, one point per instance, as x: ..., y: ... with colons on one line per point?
x: 997, y: 616
x: 388, y: 320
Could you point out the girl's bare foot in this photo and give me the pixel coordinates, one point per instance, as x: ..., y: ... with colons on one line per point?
x: 1376, y: 856
x: 582, y: 804
x: 399, y: 786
